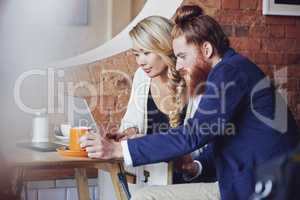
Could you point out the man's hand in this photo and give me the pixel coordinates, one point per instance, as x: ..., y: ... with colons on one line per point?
x: 186, y: 165
x: 101, y: 147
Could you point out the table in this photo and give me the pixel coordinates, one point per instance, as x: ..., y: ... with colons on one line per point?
x: 21, y: 159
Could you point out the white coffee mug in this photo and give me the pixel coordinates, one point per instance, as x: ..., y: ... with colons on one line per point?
x: 40, y: 128
x: 65, y: 129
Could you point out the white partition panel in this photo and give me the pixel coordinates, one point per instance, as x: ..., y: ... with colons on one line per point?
x: 121, y: 42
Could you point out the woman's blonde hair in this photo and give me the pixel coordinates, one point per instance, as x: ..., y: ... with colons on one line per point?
x: 153, y: 34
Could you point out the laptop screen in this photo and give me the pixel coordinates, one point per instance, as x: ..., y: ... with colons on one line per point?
x: 79, y: 113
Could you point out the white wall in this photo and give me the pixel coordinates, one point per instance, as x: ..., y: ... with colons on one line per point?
x: 30, y: 36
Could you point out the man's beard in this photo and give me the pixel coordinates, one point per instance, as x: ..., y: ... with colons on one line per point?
x: 196, y: 77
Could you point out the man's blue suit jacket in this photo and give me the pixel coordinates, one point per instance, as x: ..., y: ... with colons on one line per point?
x: 237, y: 96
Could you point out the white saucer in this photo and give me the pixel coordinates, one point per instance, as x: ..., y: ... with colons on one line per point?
x: 61, y: 137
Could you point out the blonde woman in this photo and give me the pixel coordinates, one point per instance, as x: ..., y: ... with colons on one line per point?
x: 158, y: 99
x: 157, y: 96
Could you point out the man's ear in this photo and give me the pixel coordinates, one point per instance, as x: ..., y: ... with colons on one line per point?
x: 207, y: 50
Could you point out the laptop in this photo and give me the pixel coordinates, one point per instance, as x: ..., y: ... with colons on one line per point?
x: 40, y: 146
x: 80, y: 114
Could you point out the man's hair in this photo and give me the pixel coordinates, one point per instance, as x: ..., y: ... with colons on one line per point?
x: 196, y: 27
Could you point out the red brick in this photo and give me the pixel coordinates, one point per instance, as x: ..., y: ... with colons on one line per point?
x: 95, y: 70
x: 228, y: 29
x: 101, y: 116
x: 226, y: 19
x: 248, y: 18
x: 292, y: 31
x: 107, y: 102
x: 259, y: 7
x: 279, y: 45
x: 83, y: 73
x: 131, y: 60
x: 122, y: 83
x: 275, y: 31
x: 241, y: 31
x: 213, y: 3
x: 81, y: 89
x: 291, y: 59
x: 279, y: 20
x: 261, y: 58
x: 122, y: 102
x: 276, y: 58
x: 239, y: 17
x: 267, y: 31
x: 297, y: 99
x: 293, y: 98
x: 230, y: 4
x: 92, y: 101
x: 292, y: 84
x: 204, y: 3
x: 297, y: 45
x: 248, y: 4
x: 111, y: 127
x: 294, y: 71
x: 108, y: 127
x: 244, y: 43
x: 259, y: 31
x: 117, y: 117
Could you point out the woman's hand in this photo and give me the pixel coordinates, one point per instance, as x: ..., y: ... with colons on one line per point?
x: 129, y: 133
x: 101, y: 147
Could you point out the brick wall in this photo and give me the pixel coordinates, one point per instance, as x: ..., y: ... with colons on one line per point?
x: 105, y: 84
x: 273, y: 42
